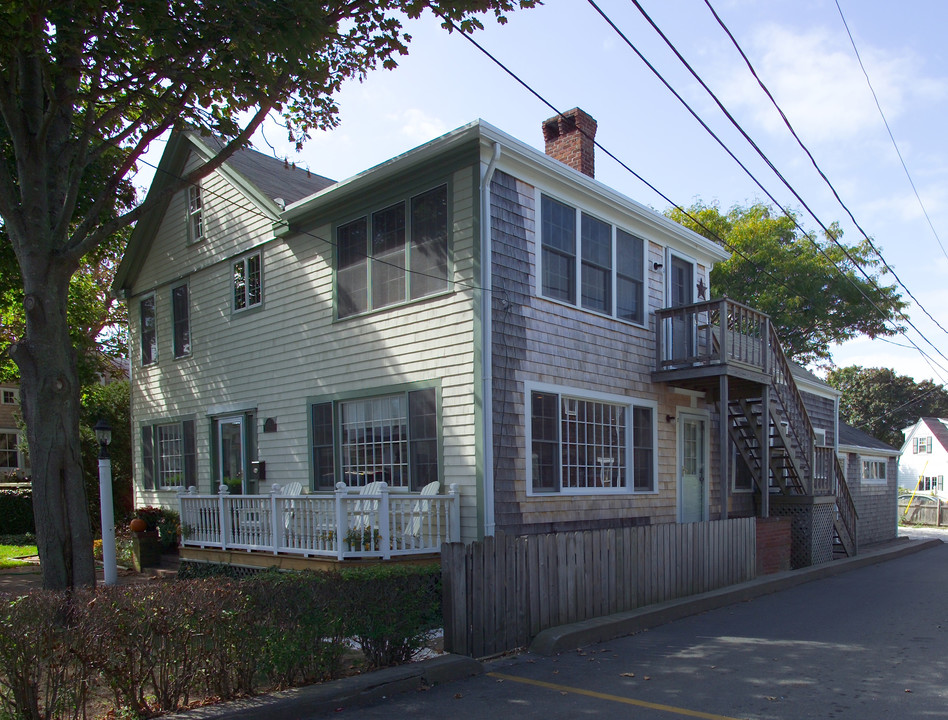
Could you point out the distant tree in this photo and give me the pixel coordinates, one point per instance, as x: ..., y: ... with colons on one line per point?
x: 790, y: 276
x: 881, y: 402
x: 85, y: 87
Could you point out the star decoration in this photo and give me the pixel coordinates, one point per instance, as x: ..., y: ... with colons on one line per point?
x: 702, y: 288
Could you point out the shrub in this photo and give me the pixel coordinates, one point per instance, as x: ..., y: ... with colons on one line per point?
x: 16, y: 512
x: 391, y: 609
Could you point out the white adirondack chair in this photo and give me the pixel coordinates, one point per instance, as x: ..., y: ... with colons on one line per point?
x: 421, y: 509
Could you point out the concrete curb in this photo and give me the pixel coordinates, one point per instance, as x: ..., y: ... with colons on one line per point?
x: 348, y: 692
x: 589, y: 632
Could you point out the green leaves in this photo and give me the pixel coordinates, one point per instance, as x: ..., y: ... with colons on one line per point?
x: 811, y: 287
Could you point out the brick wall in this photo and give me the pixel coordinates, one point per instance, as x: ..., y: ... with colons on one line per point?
x: 773, y: 545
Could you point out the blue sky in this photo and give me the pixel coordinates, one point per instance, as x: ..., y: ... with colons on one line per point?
x: 800, y: 48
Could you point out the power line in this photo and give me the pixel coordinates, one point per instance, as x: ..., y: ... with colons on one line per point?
x: 819, y: 170
x: 889, y: 130
x: 829, y: 234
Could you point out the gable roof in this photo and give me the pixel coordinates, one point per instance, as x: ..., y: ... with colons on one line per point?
x: 939, y: 428
x: 263, y: 179
x: 850, y: 437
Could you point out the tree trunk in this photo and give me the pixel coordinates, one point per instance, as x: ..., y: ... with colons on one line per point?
x: 49, y: 398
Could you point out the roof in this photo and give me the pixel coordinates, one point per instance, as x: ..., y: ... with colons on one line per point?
x: 262, y: 178
x: 851, y: 437
x: 939, y: 428
x: 811, y: 382
x: 275, y: 178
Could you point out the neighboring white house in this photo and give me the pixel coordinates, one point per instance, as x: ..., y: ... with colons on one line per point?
x: 923, y: 464
x: 12, y: 459
x: 474, y: 311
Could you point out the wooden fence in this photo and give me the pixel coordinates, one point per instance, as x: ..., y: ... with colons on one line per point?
x: 922, y: 510
x: 501, y: 592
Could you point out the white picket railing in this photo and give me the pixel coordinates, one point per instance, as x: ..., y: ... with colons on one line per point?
x: 344, y: 524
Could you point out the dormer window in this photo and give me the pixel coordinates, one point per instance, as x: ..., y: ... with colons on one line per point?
x: 195, y: 214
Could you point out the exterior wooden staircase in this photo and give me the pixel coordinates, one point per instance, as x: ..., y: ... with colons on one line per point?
x: 728, y: 338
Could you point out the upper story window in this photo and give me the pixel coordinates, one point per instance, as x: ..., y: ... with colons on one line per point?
x: 606, y: 263
x: 195, y: 214
x: 580, y: 444
x: 922, y: 445
x: 874, y: 470
x: 248, y: 282
x: 181, y: 320
x: 393, y: 255
x: 149, y: 331
x: 9, y: 396
x: 392, y: 438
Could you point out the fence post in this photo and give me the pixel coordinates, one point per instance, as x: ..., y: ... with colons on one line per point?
x: 341, y: 527
x: 384, y: 524
x: 454, y: 514
x: 275, y: 526
x: 225, y: 518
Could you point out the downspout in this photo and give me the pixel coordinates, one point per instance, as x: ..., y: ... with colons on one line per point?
x: 487, y: 348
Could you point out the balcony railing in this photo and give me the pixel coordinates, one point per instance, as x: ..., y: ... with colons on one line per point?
x: 342, y: 525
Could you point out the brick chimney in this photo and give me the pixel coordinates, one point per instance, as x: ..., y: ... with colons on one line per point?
x: 569, y: 138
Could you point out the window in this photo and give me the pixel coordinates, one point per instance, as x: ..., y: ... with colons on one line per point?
x: 168, y: 455
x: 393, y: 255
x: 742, y: 478
x: 611, y: 267
x: 195, y: 214
x: 874, y: 470
x: 9, y: 451
x: 922, y: 445
x: 587, y: 445
x: 181, y: 321
x: 931, y: 483
x: 248, y: 286
x: 149, y: 331
x: 10, y: 396
x: 393, y: 438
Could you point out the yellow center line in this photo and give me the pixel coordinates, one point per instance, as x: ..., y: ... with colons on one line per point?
x: 614, y: 698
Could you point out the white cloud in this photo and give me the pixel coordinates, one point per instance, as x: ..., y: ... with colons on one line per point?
x: 818, y: 82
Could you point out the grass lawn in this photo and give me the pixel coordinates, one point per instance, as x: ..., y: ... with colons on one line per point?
x: 10, y: 553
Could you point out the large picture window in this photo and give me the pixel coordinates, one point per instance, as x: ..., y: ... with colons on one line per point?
x: 392, y: 255
x: 149, y: 334
x: 610, y: 271
x: 168, y: 455
x: 588, y: 445
x: 391, y: 438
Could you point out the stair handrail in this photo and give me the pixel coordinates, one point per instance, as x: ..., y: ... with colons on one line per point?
x: 800, y: 425
x: 845, y: 505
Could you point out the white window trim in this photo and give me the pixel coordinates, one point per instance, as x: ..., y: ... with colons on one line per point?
x: 578, y: 270
x: 873, y: 458
x: 666, y: 285
x: 629, y: 402
x: 16, y: 396
x: 233, y: 297
x: 141, y: 331
x: 192, y: 190
x: 19, y: 453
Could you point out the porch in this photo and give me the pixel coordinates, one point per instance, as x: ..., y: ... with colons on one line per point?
x: 732, y: 353
x: 351, y: 524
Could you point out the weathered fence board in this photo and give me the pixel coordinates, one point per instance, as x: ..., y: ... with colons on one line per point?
x: 501, y: 592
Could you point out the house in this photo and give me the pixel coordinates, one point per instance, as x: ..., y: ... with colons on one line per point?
x: 475, y: 313
x: 13, y: 462
x: 871, y: 468
x: 923, y: 463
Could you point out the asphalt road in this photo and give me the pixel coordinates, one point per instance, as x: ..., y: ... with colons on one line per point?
x: 864, y: 645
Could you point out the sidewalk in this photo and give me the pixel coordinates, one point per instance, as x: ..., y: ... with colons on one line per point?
x: 373, y: 687
x: 25, y: 578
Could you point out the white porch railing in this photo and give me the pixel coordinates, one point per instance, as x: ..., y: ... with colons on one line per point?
x: 342, y: 525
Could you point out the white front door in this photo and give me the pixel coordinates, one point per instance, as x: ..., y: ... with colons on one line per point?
x: 693, y: 471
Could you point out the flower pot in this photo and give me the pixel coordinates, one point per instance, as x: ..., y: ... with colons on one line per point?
x: 146, y: 549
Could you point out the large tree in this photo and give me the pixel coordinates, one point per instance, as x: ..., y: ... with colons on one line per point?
x: 810, y: 286
x: 881, y: 402
x: 85, y: 87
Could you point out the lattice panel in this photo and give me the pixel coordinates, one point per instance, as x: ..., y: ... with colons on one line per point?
x: 811, y: 532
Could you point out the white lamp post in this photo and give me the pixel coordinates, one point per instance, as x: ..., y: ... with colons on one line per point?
x: 103, y: 435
